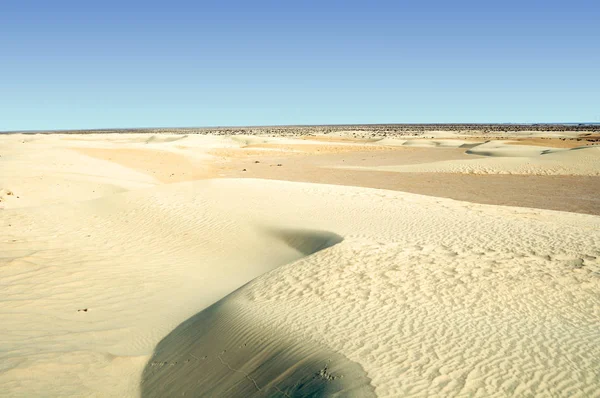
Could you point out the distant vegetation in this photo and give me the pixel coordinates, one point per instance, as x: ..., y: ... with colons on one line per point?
x: 376, y: 129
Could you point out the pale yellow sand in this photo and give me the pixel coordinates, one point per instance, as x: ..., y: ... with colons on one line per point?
x: 370, y: 292
x: 514, y: 159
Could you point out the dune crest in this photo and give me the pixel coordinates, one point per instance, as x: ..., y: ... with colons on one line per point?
x: 224, y: 351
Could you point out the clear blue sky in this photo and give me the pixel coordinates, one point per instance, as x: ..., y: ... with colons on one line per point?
x: 95, y: 64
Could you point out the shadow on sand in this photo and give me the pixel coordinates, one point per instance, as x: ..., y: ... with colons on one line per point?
x: 224, y: 351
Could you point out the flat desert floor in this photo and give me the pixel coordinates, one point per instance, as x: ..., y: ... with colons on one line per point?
x: 162, y: 265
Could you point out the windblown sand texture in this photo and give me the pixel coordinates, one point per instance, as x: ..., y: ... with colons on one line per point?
x: 169, y: 264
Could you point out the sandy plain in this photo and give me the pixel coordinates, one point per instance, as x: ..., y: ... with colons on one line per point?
x: 344, y: 263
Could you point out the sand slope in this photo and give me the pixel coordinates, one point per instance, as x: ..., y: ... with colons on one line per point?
x: 425, y: 307
x: 97, y: 284
x: 427, y: 295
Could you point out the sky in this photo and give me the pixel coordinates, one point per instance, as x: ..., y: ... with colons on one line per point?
x: 120, y: 64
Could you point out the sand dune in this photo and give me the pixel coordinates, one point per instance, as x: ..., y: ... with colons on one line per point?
x: 41, y: 171
x: 254, y: 287
x: 105, y: 279
x: 504, y: 149
x: 505, y: 160
x: 226, y: 351
x: 438, y: 143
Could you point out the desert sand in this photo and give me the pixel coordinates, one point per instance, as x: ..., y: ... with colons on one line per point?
x: 159, y: 264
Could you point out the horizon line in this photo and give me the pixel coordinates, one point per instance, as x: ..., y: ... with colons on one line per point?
x: 306, y: 125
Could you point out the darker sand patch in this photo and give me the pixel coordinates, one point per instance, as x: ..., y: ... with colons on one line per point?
x: 577, y: 194
x: 324, y: 138
x: 315, y: 163
x: 311, y: 156
x: 285, y: 151
x: 165, y: 166
x: 323, y: 148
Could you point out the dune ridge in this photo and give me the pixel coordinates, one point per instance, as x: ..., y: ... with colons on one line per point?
x: 448, y: 314
x: 227, y: 352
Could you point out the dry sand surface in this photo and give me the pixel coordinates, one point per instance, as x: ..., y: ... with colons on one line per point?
x: 162, y: 265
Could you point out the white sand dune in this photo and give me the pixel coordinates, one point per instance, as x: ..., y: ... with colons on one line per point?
x: 502, y: 160
x: 105, y: 279
x: 41, y: 170
x: 505, y: 149
x: 428, y: 143
x: 336, y: 290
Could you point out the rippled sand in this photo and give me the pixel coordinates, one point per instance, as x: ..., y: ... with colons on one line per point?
x: 162, y: 265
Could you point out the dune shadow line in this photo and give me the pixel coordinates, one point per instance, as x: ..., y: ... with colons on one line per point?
x: 224, y: 351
